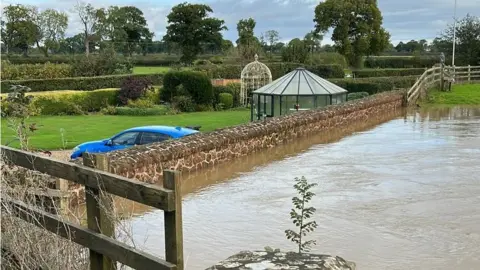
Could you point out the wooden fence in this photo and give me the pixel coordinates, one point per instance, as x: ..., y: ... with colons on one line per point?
x: 439, y: 76
x: 105, y: 251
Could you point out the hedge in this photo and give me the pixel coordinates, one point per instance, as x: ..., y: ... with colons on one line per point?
x: 79, y: 83
x: 194, y: 84
x: 375, y: 85
x: 401, y: 62
x: 367, y: 73
x: 34, y: 71
x: 277, y: 70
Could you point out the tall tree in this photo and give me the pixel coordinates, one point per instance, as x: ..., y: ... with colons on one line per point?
x: 189, y: 26
x: 272, y: 38
x: 52, y: 25
x: 313, y: 41
x: 72, y: 45
x: 90, y: 19
x: 19, y: 30
x: 296, y: 51
x: 357, y: 27
x: 247, y: 43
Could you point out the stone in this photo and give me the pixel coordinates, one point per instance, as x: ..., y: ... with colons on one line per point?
x: 269, y: 259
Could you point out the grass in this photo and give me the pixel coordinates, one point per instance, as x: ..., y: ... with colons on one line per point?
x: 79, y: 129
x: 462, y: 94
x: 150, y: 70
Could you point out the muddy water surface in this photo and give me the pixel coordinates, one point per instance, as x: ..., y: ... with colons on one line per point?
x: 404, y: 194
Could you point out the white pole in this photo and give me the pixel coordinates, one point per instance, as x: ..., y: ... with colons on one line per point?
x: 454, y: 33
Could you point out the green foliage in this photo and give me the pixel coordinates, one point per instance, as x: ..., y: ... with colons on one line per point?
x: 137, y: 111
x: 366, y: 73
x: 34, y: 71
x: 461, y: 94
x: 107, y: 63
x: 357, y: 28
x: 203, y: 108
x: 247, y: 43
x: 195, y: 84
x: 401, y: 62
x: 189, y: 26
x: 134, y: 88
x: 52, y: 25
x: 358, y: 95
x: 232, y: 89
x: 300, y: 214
x: 226, y: 100
x: 74, y: 103
x: 375, y: 84
x: 79, y: 83
x: 327, y: 58
x: 19, y: 30
x: 140, y: 103
x: 183, y: 103
x: 296, y: 51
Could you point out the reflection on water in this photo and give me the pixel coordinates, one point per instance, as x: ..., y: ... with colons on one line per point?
x: 402, y: 195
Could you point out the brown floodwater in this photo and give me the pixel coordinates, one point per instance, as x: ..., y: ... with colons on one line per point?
x: 391, y: 194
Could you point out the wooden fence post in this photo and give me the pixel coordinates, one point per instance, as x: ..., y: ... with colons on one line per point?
x: 173, y: 221
x: 99, y: 207
x: 441, y: 76
x: 469, y: 73
x: 62, y: 186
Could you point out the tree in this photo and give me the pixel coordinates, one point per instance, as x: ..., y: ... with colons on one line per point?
x: 72, y: 45
x: 19, y: 30
x: 272, y: 38
x: 313, y: 41
x: 467, y: 51
x: 299, y: 218
x: 357, y: 27
x: 189, y: 26
x: 296, y: 51
x: 90, y: 19
x: 226, y: 45
x: 247, y: 43
x: 52, y: 25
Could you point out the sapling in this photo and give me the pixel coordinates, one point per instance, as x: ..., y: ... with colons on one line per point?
x: 300, y: 214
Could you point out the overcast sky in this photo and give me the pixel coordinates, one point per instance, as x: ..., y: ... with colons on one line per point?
x: 404, y: 19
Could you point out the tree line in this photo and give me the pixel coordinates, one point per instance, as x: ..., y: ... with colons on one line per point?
x: 357, y: 32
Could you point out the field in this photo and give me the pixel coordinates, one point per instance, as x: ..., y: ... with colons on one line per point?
x: 466, y: 94
x: 78, y: 129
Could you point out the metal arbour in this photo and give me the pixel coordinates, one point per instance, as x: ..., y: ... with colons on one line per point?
x: 254, y: 75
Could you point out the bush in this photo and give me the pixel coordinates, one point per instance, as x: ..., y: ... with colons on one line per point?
x: 365, y: 73
x: 140, y: 103
x: 375, y: 85
x: 155, y: 110
x: 401, y: 62
x: 203, y: 108
x: 106, y: 63
x: 195, y: 84
x: 133, y: 89
x: 358, y: 95
x: 216, y: 60
x: 226, y: 100
x: 79, y: 83
x: 201, y: 62
x: 183, y: 103
x: 68, y: 103
x: 34, y: 71
x: 327, y: 58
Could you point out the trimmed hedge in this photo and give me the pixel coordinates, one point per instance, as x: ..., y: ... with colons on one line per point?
x: 194, y: 84
x: 34, y: 71
x: 375, y: 85
x: 368, y: 73
x: 401, y: 62
x: 357, y: 95
x: 226, y: 99
x: 277, y: 70
x: 79, y: 83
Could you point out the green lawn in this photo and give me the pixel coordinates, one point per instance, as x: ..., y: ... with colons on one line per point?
x: 462, y: 94
x: 150, y: 70
x: 78, y: 129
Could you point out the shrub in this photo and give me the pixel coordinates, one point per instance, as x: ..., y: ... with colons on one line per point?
x: 201, y: 62
x: 195, y: 84
x: 183, y: 103
x: 203, y: 108
x: 106, y: 63
x: 68, y: 103
x: 401, y: 62
x: 140, y: 103
x: 365, y: 73
x: 327, y: 58
x: 226, y: 100
x: 375, y: 85
x: 79, y: 83
x: 358, y: 95
x: 155, y: 110
x: 133, y: 89
x: 216, y: 60
x: 34, y: 71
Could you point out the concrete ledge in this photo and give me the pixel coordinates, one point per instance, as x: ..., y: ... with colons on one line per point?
x: 274, y: 259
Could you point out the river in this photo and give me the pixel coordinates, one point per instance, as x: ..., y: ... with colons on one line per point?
x: 403, y: 194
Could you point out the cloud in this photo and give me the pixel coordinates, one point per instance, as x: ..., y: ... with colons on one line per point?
x: 405, y: 20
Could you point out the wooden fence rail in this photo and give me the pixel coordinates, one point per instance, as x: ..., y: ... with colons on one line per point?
x: 438, y: 76
x: 105, y: 251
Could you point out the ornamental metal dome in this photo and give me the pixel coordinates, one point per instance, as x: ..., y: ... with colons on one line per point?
x: 254, y: 75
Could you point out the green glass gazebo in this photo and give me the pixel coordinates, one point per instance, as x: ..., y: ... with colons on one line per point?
x: 298, y: 90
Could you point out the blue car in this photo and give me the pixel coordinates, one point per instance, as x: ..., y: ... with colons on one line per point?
x: 132, y: 137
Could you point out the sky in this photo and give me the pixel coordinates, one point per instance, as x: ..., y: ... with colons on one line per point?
x: 404, y: 19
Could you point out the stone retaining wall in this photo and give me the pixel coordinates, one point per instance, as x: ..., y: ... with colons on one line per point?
x: 147, y: 162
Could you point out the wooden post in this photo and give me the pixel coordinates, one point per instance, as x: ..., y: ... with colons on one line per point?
x: 173, y: 221
x: 99, y: 207
x: 62, y: 186
x: 441, y: 77
x: 469, y: 73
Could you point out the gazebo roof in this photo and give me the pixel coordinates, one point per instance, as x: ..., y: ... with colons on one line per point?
x: 300, y: 82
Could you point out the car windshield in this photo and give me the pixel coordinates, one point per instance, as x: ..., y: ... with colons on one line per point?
x: 127, y: 138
